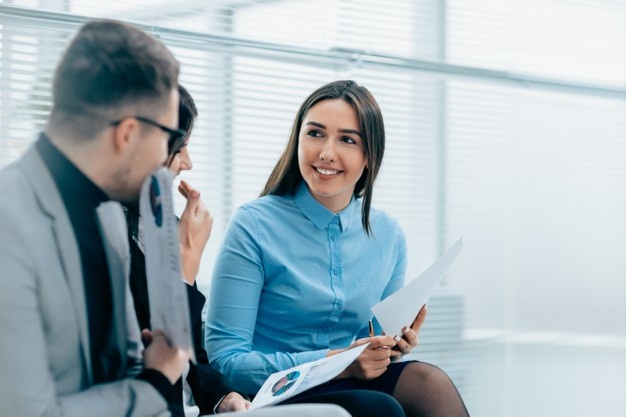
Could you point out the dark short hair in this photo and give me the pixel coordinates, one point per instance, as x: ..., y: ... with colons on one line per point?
x: 110, y: 66
x: 286, y: 175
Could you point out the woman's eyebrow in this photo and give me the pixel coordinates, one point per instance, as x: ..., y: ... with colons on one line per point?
x: 316, y: 124
x: 354, y: 132
x: 321, y: 126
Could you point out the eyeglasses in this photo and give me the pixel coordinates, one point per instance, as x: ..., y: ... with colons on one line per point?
x: 177, y: 136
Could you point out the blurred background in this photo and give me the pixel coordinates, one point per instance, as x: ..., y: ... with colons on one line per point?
x: 506, y: 125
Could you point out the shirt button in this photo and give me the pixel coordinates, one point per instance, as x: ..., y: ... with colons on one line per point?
x: 335, y: 272
x: 333, y: 237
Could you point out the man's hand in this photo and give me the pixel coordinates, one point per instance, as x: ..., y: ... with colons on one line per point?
x: 159, y: 355
x: 194, y: 230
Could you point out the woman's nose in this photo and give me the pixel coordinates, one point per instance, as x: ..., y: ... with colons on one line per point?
x: 328, y: 153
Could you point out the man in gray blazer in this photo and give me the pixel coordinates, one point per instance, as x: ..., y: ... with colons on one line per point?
x: 69, y: 344
x: 65, y: 342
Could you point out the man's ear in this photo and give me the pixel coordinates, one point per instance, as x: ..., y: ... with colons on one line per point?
x: 124, y: 132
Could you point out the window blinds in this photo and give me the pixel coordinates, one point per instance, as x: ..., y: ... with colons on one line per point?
x: 505, y: 125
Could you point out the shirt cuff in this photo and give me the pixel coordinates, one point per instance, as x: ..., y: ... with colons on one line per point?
x: 160, y: 383
x: 218, y: 404
x: 224, y: 396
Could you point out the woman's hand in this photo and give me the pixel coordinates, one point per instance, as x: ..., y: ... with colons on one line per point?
x: 410, y: 335
x: 372, y: 362
x: 194, y: 230
x: 233, y: 402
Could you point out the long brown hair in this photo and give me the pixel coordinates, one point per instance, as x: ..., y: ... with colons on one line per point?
x: 286, y: 175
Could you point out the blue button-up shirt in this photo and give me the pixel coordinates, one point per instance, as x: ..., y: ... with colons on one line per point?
x: 293, y: 280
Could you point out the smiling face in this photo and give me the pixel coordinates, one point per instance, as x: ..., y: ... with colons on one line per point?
x: 331, y: 156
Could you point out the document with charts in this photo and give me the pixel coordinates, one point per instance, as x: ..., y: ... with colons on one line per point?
x: 283, y: 385
x: 401, y: 308
x: 169, y: 309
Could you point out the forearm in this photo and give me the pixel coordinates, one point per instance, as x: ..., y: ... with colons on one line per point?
x: 190, y: 263
x: 248, y: 371
x: 129, y: 397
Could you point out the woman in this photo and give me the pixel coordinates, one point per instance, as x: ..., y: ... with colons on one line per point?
x: 301, y: 266
x: 203, y: 391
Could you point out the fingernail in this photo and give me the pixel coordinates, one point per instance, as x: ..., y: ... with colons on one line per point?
x: 397, y: 338
x: 406, y: 329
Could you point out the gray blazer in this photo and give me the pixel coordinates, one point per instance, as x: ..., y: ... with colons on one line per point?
x: 45, y: 365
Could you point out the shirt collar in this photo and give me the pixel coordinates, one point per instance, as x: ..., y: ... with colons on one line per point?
x: 320, y: 215
x: 74, y: 186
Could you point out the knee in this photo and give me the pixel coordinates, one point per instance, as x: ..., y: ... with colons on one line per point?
x: 425, y: 373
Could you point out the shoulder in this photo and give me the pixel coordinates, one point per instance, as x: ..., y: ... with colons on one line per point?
x: 25, y: 228
x: 387, y: 230
x: 266, y: 207
x: 26, y: 184
x: 269, y: 203
x: 30, y: 201
x: 383, y: 222
x: 18, y: 195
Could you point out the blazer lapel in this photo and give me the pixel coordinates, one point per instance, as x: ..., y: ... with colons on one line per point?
x: 114, y: 237
x: 51, y: 202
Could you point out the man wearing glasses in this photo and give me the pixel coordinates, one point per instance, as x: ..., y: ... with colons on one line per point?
x: 69, y: 339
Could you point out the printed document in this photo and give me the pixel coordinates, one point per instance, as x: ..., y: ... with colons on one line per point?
x: 401, y: 308
x: 169, y: 310
x: 283, y: 385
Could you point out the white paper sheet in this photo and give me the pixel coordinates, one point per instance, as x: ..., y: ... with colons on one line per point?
x: 283, y: 385
x: 169, y: 310
x: 401, y: 308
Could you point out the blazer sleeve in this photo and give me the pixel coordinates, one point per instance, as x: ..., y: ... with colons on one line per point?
x: 27, y: 365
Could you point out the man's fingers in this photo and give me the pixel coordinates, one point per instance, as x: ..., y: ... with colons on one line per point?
x: 146, y: 337
x: 149, y: 337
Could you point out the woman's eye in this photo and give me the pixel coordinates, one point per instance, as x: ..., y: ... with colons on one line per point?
x: 314, y: 133
x: 348, y: 139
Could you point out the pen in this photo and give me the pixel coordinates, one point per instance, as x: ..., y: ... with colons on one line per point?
x: 372, y: 334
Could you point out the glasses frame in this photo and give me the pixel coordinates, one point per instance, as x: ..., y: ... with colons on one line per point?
x: 177, y: 136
